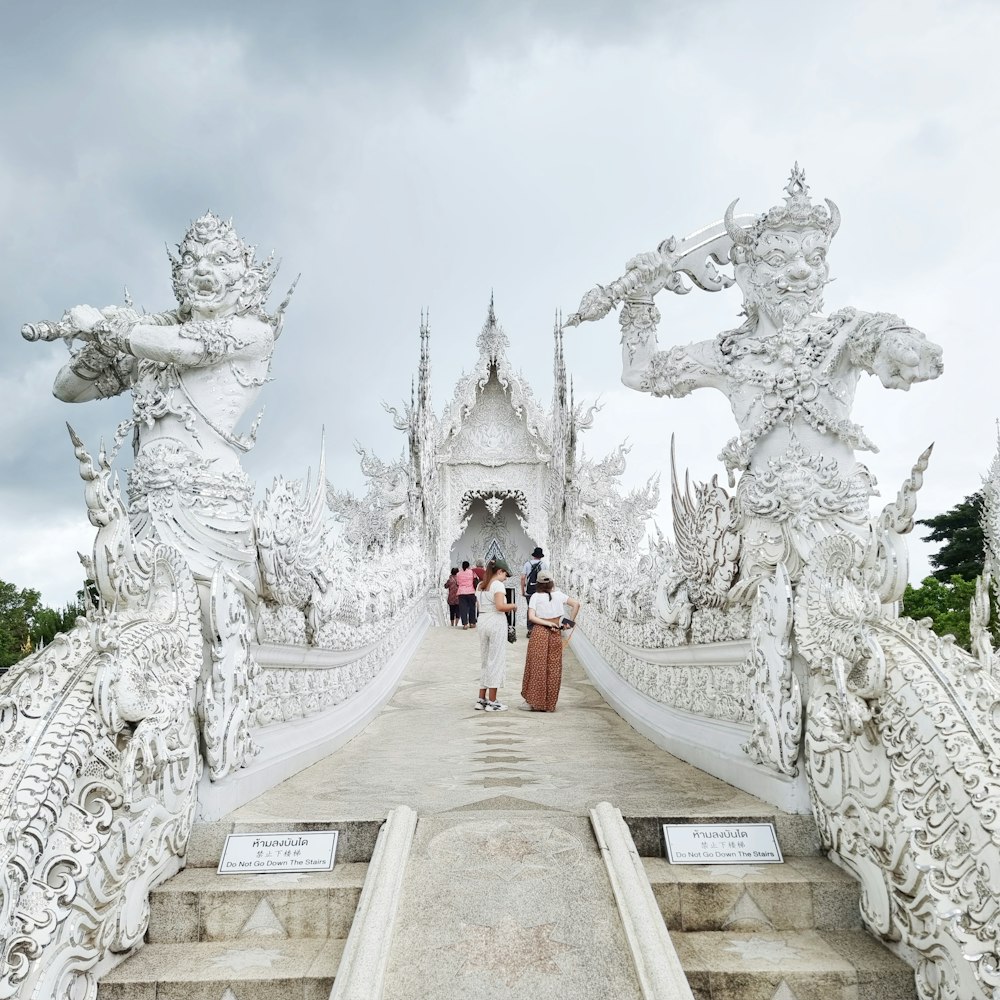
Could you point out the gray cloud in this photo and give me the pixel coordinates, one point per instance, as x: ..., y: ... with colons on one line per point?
x: 404, y: 155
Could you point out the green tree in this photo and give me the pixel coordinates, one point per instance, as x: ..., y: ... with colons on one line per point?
x: 946, y: 604
x: 26, y: 624
x: 961, y: 531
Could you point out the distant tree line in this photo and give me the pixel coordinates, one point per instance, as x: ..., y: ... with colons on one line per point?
x: 944, y: 596
x: 26, y: 623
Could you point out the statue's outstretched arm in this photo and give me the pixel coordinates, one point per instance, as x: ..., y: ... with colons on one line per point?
x: 97, y: 370
x: 677, y: 371
x: 190, y: 344
x: 673, y: 372
x: 882, y: 344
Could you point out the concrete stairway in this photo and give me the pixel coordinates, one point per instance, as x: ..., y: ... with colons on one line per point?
x: 246, y: 937
x: 502, y: 892
x: 774, y: 932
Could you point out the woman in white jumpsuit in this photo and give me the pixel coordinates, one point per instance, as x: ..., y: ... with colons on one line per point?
x: 492, y: 600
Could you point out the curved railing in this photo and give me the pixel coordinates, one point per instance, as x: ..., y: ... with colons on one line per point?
x: 99, y: 769
x: 901, y: 751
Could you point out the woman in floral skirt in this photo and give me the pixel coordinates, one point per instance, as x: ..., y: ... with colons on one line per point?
x: 543, y: 663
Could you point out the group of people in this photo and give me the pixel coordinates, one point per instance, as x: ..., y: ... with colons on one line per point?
x: 461, y: 586
x: 551, y: 613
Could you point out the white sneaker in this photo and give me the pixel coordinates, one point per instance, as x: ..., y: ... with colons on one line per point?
x: 495, y: 706
x: 480, y: 704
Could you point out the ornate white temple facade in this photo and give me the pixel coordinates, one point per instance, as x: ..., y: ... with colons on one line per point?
x: 496, y: 474
x: 236, y: 642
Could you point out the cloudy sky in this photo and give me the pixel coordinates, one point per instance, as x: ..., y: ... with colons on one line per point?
x: 406, y: 155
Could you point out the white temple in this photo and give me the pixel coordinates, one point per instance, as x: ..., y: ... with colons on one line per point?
x: 237, y: 643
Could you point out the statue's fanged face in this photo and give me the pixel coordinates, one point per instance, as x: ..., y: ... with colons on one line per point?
x: 210, y: 276
x: 788, y: 270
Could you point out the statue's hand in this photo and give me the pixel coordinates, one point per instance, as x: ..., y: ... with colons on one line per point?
x: 906, y: 356
x: 653, y: 270
x: 83, y: 318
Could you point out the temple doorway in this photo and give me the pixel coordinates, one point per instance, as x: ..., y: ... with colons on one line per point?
x: 493, y: 529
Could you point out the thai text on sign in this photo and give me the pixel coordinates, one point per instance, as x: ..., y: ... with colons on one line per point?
x: 722, y: 844
x: 259, y: 853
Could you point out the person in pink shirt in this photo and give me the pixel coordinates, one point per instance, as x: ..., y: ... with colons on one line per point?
x: 467, y: 596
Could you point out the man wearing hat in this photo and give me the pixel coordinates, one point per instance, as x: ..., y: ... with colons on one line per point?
x: 529, y: 575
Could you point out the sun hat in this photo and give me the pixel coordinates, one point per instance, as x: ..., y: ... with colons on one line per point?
x: 538, y: 553
x: 546, y: 577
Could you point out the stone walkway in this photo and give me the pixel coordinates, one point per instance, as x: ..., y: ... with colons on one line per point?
x: 430, y: 750
x: 505, y: 893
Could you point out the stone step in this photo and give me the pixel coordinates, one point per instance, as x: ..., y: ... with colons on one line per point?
x: 797, y: 833
x: 227, y: 970
x: 791, y: 965
x: 199, y: 905
x: 355, y: 842
x: 804, y: 893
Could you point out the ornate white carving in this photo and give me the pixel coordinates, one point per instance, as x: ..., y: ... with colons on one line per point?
x: 488, y: 436
x: 896, y: 521
x: 714, y: 691
x: 230, y: 696
x: 991, y: 513
x: 901, y: 751
x: 493, y: 345
x: 707, y: 536
x: 99, y: 734
x: 99, y: 763
x: 194, y: 372
x: 776, y: 697
x: 900, y: 735
x: 290, y: 693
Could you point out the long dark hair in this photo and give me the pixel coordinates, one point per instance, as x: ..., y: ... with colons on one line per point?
x: 491, y: 571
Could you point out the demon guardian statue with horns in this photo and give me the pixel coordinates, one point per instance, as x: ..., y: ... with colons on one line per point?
x: 789, y: 372
x: 194, y: 372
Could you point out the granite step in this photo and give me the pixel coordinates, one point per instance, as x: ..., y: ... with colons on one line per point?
x: 791, y: 965
x: 276, y: 969
x: 355, y: 841
x: 199, y: 905
x: 804, y: 893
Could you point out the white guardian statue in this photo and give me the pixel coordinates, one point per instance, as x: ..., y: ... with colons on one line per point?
x: 789, y: 372
x: 194, y: 372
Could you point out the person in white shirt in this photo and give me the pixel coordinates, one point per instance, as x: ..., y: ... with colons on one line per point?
x: 547, y: 612
x: 492, y: 599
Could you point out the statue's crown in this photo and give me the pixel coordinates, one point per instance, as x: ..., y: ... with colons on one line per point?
x: 798, y: 212
x: 211, y: 227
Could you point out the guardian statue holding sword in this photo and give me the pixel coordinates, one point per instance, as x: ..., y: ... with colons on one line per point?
x: 789, y: 372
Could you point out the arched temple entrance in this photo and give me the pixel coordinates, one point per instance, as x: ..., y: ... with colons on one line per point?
x: 495, y: 527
